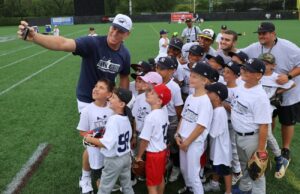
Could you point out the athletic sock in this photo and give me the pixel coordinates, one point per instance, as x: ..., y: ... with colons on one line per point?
x: 86, y: 174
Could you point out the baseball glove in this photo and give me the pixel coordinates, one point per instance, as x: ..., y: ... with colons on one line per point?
x: 257, y: 164
x: 138, y: 168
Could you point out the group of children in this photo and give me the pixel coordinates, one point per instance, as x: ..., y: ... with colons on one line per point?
x: 193, y: 114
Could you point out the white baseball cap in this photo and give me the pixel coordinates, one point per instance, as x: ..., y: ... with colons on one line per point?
x: 122, y: 22
x: 152, y: 77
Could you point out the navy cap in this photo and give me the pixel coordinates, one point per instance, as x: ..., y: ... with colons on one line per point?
x: 123, y: 94
x: 241, y: 55
x: 265, y: 27
x: 219, y: 59
x: 255, y: 65
x: 163, y: 31
x: 137, y: 74
x: 197, y: 50
x: 215, y: 76
x: 218, y: 88
x: 142, y: 66
x: 176, y: 43
x: 166, y: 63
x: 204, y: 69
x: 224, y: 27
x: 234, y: 67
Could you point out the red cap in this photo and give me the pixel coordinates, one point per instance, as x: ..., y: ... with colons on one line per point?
x: 163, y: 92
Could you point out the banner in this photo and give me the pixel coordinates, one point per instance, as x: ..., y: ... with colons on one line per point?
x: 180, y: 16
x: 62, y: 21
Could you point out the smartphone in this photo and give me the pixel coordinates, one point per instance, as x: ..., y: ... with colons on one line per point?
x: 25, y: 33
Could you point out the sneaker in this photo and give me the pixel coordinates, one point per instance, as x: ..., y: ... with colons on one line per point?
x: 281, y: 166
x: 210, y: 187
x: 86, y: 185
x: 174, y: 174
x: 141, y: 178
x: 236, y: 177
x: 286, y: 153
x: 185, y: 190
x: 133, y: 182
x: 116, y: 188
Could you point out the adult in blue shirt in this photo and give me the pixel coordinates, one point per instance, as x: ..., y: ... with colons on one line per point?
x: 102, y: 56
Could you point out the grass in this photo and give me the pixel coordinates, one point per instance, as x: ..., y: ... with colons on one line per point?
x: 43, y: 108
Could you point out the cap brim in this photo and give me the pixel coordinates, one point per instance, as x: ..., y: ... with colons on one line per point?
x: 207, y: 37
x: 120, y: 27
x: 135, y: 67
x: 208, y: 56
x: 174, y: 46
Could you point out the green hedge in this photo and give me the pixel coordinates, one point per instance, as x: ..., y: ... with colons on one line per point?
x: 10, y: 21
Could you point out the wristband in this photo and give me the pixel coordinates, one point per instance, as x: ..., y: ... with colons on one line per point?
x: 289, y: 76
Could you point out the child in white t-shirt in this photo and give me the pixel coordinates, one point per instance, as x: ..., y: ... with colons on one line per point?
x: 166, y: 67
x: 92, y: 120
x: 154, y: 138
x: 273, y: 89
x: 115, y: 144
x: 220, y: 143
x: 231, y: 74
x: 194, y: 127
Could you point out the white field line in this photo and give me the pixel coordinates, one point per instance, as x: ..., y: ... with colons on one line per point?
x: 151, y: 26
x: 23, y: 59
x: 14, y: 51
x: 17, y: 181
x: 32, y: 75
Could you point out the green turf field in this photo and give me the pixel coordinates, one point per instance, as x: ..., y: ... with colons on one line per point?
x: 38, y: 104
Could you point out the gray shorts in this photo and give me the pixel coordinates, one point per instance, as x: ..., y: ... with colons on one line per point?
x: 170, y: 134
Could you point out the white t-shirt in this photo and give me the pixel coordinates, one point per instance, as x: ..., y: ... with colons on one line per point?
x: 178, y: 74
x: 93, y: 35
x: 132, y: 88
x: 176, y: 99
x: 287, y: 56
x: 196, y: 110
x: 117, y: 136
x: 220, y: 143
x: 231, y: 97
x: 139, y: 111
x: 161, y: 48
x: 190, y: 33
x: 186, y: 79
x: 211, y: 52
x: 94, y: 118
x: 270, y: 85
x: 155, y: 130
x: 251, y: 107
x: 55, y: 32
x: 218, y: 40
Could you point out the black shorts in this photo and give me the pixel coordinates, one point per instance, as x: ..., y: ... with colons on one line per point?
x: 222, y: 170
x: 275, y: 113
x: 289, y: 115
x: 96, y: 174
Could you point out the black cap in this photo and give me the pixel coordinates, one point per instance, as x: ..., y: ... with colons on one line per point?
x: 188, y: 20
x: 265, y: 27
x: 224, y: 27
x: 218, y: 88
x: 123, y: 94
x: 219, y: 59
x: 137, y: 74
x: 196, y: 50
x: 215, y: 76
x: 241, y: 55
x: 163, y: 31
x: 176, y: 43
x: 92, y: 28
x: 255, y: 65
x: 166, y: 63
x: 142, y: 66
x: 203, y: 69
x: 234, y: 67
x: 175, y: 61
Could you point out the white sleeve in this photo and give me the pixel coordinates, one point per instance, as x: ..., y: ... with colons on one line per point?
x: 218, y: 124
x: 110, y: 137
x: 177, y: 96
x: 83, y: 124
x: 147, y: 130
x: 262, y: 111
x: 183, y: 33
x: 205, y: 115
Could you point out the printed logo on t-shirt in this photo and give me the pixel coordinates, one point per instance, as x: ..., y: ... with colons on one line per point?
x: 240, y: 108
x: 108, y: 66
x: 99, y: 129
x: 269, y: 90
x: 141, y: 113
x: 189, y: 114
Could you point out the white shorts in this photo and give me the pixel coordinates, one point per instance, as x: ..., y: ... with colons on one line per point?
x: 81, y: 105
x: 96, y: 158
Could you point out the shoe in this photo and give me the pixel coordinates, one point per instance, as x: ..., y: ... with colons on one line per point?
x: 174, y: 174
x: 210, y: 187
x: 281, y: 166
x: 236, y: 177
x: 285, y: 152
x: 185, y: 190
x: 86, y: 185
x: 116, y: 188
x: 141, y: 178
x: 133, y: 182
x: 202, y: 176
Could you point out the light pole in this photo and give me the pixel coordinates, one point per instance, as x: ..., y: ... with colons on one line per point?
x: 130, y: 7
